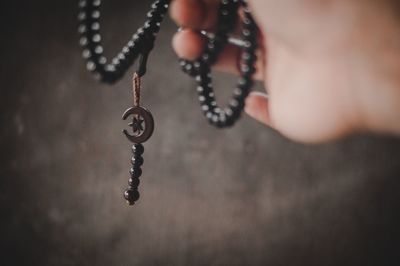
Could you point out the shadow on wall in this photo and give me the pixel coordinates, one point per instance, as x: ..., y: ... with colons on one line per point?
x: 244, y: 196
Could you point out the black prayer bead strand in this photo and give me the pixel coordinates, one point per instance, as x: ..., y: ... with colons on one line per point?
x: 228, y: 116
x: 132, y: 193
x: 141, y: 43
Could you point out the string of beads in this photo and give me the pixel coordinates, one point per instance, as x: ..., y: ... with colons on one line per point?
x: 200, y: 69
x: 142, y: 43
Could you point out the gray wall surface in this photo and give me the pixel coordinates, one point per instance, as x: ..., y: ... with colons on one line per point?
x: 244, y: 196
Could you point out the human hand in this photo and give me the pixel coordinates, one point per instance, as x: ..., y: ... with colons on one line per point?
x: 331, y: 67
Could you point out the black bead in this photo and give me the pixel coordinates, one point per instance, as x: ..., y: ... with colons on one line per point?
x: 137, y: 149
x: 136, y: 172
x: 209, y: 115
x: 137, y: 161
x: 215, y: 119
x: 206, y: 58
x: 205, y: 108
x: 202, y: 99
x: 131, y: 195
x: 134, y: 182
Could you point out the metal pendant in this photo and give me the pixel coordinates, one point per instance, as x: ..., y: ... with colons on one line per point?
x: 142, y: 124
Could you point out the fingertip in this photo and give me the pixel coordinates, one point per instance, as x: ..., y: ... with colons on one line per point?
x: 188, y: 44
x: 257, y: 107
x: 187, y: 13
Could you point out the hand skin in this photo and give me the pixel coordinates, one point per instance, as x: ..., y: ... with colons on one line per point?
x: 331, y: 67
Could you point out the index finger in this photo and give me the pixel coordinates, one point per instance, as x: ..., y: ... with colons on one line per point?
x: 195, y: 14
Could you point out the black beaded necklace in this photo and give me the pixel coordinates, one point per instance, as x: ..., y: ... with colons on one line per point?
x: 140, y: 46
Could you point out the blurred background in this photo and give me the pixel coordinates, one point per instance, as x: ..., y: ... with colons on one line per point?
x: 244, y: 196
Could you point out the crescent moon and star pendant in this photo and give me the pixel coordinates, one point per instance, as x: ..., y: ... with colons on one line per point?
x: 142, y: 124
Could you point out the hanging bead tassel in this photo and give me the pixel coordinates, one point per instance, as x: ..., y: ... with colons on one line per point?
x: 142, y: 128
x: 132, y: 194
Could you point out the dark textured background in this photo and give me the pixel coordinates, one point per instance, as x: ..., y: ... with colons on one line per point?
x: 244, y: 196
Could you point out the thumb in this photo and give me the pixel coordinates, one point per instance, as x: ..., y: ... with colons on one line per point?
x: 257, y: 107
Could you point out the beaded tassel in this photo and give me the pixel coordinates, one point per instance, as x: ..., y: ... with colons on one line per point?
x: 132, y: 194
x: 142, y: 129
